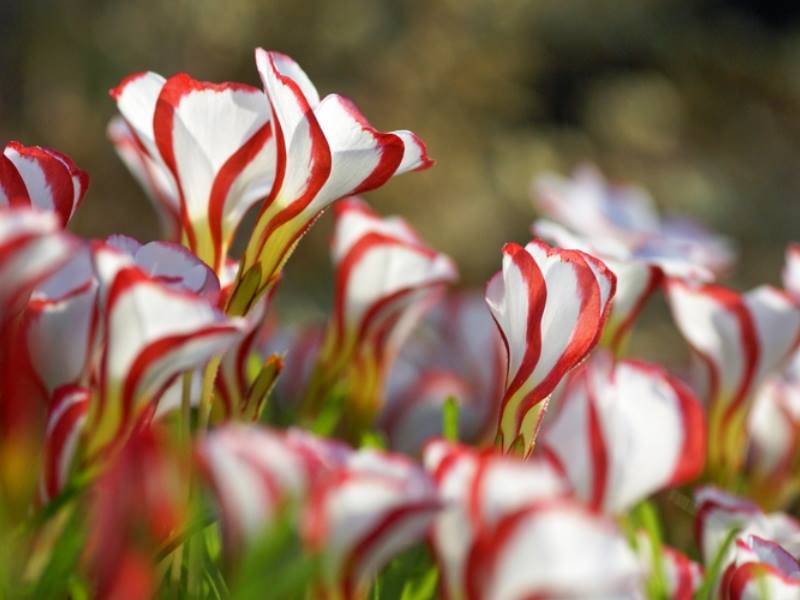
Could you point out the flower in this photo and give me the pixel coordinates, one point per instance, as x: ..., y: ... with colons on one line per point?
x: 738, y: 339
x: 455, y: 353
x: 386, y: 277
x: 550, y: 306
x: 602, y: 433
x: 553, y: 548
x: 370, y: 509
x: 624, y: 217
x: 211, y: 143
x: 760, y: 568
x: 41, y: 178
x: 478, y: 489
x: 153, y: 332
x: 325, y: 150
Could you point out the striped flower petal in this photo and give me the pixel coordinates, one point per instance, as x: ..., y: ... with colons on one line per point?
x: 364, y: 514
x: 553, y: 549
x: 550, y: 306
x: 216, y: 142
x: 479, y: 489
x: 326, y: 149
x: 41, y: 178
x: 385, y: 279
x: 739, y: 340
x: 151, y: 174
x: 603, y: 430
x: 153, y: 332
x: 66, y: 417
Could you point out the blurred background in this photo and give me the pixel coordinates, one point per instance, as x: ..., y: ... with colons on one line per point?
x: 699, y: 100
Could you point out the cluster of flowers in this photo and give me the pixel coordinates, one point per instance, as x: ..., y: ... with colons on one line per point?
x: 137, y: 375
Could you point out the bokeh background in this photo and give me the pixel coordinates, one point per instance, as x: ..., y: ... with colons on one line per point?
x: 699, y: 100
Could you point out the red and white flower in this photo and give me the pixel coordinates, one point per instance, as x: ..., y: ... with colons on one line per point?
x: 553, y: 549
x: 153, y: 332
x: 66, y: 416
x: 739, y: 339
x: 478, y: 489
x: 760, y: 569
x: 41, y: 178
x: 603, y: 213
x: 386, y: 277
x: 364, y: 514
x: 603, y: 430
x: 719, y: 514
x: 326, y: 150
x: 550, y: 306
x: 213, y: 144
x: 254, y: 472
x: 455, y: 353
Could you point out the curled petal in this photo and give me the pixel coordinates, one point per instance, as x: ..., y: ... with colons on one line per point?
x: 66, y: 417
x: 739, y: 339
x: 552, y: 548
x: 41, y: 178
x: 602, y: 433
x: 550, y: 306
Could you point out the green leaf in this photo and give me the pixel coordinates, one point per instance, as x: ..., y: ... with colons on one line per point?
x: 450, y: 419
x: 407, y: 577
x: 55, y: 579
x: 646, y: 517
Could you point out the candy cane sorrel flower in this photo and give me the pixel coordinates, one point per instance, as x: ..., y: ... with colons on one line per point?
x: 738, y: 339
x: 603, y: 429
x: 386, y: 277
x: 550, y: 306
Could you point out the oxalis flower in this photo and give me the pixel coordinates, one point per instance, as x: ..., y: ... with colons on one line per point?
x: 209, y: 152
x: 550, y: 306
x: 386, y: 278
x: 41, y: 178
x: 602, y: 433
x: 738, y: 340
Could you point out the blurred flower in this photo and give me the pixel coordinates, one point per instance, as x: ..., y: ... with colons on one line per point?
x: 550, y: 306
x: 760, y: 569
x: 602, y: 433
x: 623, y: 217
x: 325, y: 150
x: 455, y: 353
x: 369, y: 510
x: 738, y: 339
x: 683, y: 576
x: 386, y: 277
x: 137, y: 505
x: 553, y: 548
x: 41, y: 178
x: 478, y: 489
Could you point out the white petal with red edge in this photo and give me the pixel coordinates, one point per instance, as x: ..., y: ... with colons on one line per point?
x: 760, y: 569
x: 553, y: 549
x: 65, y: 420
x: 32, y: 247
x: 791, y: 271
x: 603, y: 432
x: 136, y: 99
x: 774, y: 427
